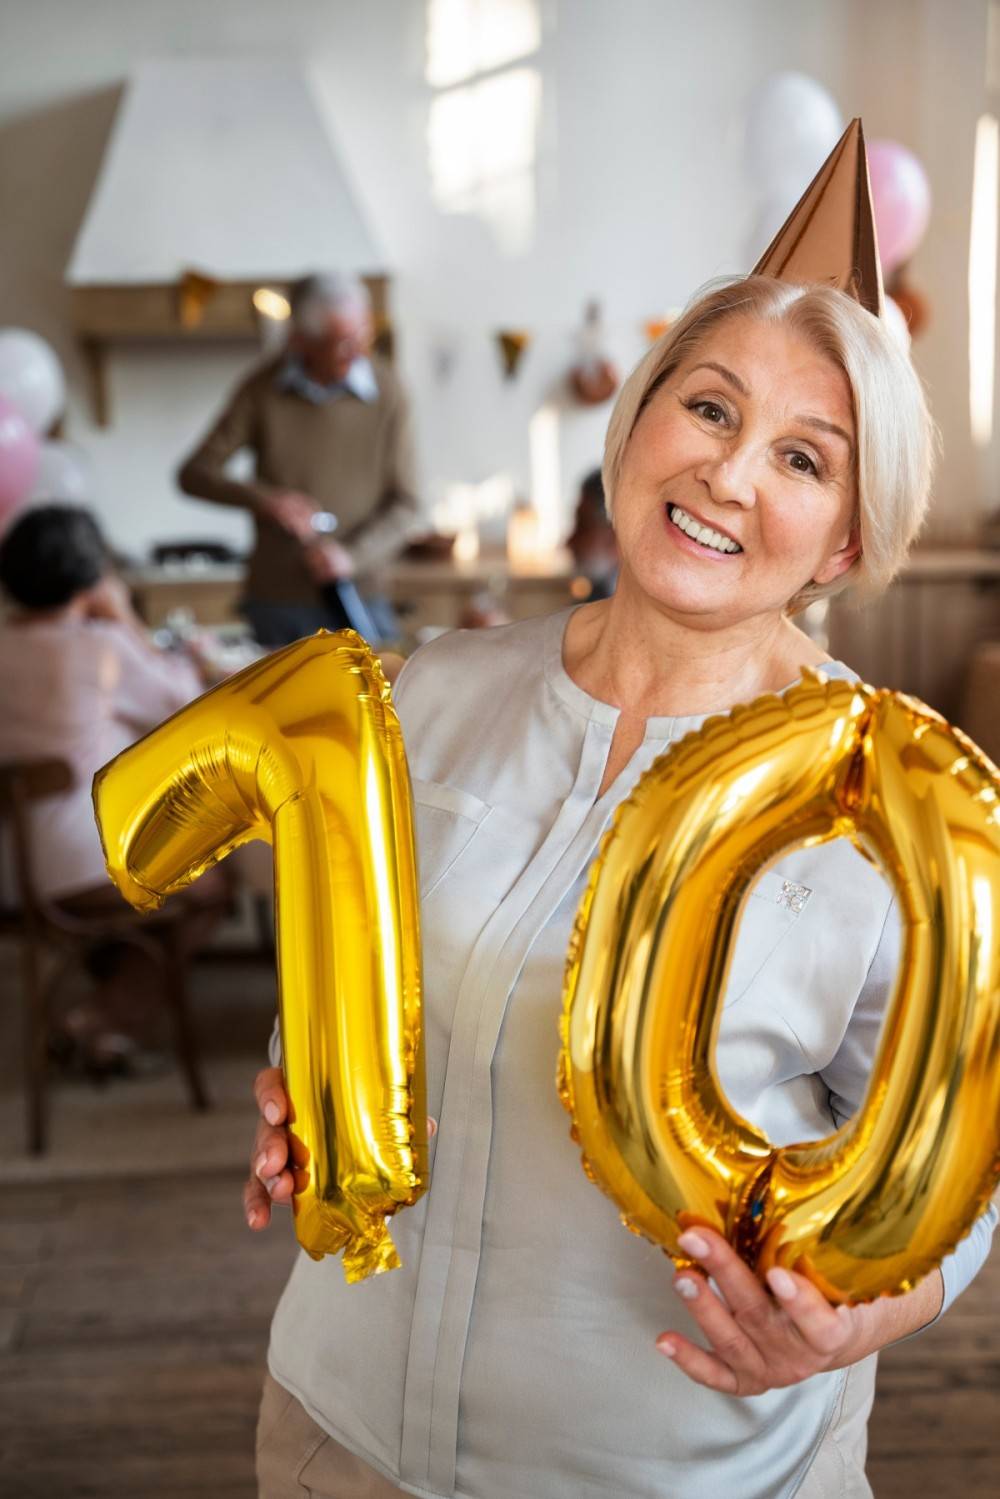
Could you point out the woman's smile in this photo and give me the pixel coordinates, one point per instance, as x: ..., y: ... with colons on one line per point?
x: 696, y: 536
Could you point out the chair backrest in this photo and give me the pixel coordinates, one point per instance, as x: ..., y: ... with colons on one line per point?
x: 22, y: 782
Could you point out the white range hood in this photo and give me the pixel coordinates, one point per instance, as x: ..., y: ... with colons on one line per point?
x: 222, y: 166
x: 220, y: 178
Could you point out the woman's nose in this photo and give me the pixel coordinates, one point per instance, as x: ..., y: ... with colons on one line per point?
x: 730, y: 478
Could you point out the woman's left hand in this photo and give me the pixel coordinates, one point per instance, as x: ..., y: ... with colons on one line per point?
x: 760, y: 1341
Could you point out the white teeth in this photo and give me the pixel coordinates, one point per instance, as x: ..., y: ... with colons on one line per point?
x: 703, y: 534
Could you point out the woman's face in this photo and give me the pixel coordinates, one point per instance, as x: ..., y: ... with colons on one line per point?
x: 737, y: 486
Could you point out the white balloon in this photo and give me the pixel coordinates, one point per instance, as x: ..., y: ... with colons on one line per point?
x: 895, y: 320
x: 31, y: 377
x: 793, y: 124
x: 768, y: 217
x: 64, y: 473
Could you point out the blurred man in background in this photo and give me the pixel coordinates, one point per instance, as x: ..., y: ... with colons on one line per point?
x: 334, y: 494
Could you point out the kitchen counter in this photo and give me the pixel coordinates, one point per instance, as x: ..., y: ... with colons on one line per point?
x: 426, y: 593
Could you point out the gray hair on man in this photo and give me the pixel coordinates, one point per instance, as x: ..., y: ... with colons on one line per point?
x: 316, y: 297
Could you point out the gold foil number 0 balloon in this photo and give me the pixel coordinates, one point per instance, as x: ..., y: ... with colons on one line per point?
x: 874, y: 1207
x: 303, y: 749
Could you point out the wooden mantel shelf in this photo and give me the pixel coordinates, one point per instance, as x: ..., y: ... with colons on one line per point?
x: 945, y: 564
x: 193, y: 310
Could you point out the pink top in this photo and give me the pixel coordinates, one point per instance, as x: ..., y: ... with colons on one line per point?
x: 79, y: 690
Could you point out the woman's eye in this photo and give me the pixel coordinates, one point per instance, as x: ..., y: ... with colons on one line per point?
x: 710, y: 410
x: 802, y: 463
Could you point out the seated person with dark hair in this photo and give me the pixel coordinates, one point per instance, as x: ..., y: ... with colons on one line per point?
x: 80, y: 680
x: 592, y: 540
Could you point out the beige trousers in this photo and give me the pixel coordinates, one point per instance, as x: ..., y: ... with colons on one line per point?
x: 297, y: 1460
x: 838, y: 1469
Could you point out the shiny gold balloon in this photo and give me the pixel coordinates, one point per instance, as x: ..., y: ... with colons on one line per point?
x: 303, y: 750
x: 873, y: 1207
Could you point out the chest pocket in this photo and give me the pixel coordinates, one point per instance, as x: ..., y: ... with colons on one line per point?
x: 469, y: 855
x: 446, y: 820
x: 468, y: 851
x: 771, y: 914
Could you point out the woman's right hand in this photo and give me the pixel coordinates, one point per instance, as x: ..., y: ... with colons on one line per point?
x: 270, y: 1178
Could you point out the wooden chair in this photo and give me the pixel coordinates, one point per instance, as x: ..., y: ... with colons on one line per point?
x: 41, y: 927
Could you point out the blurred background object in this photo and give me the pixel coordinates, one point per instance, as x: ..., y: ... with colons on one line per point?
x: 513, y: 344
x: 902, y: 198
x: 32, y: 400
x: 594, y: 378
x: 333, y: 493
x: 64, y: 473
x: 792, y: 124
x: 31, y: 378
x: 592, y: 541
x: 19, y: 457
x: 80, y: 680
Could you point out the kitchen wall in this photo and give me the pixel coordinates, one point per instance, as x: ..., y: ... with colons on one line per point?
x: 615, y: 173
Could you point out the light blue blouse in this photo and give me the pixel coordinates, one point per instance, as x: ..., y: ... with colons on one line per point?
x: 512, y: 1357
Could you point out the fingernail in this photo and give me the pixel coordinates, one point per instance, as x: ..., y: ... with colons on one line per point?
x: 686, y: 1288
x: 667, y: 1347
x: 252, y: 1218
x: 432, y: 1127
x: 782, y: 1284
x: 261, y: 1163
x: 272, y: 1182
x: 693, y: 1244
x: 271, y: 1112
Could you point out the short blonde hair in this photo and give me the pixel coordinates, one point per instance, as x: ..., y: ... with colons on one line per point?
x: 896, y: 437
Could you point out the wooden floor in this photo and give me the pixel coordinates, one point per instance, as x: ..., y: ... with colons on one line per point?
x: 935, y: 1430
x: 134, y: 1307
x: 133, y: 1323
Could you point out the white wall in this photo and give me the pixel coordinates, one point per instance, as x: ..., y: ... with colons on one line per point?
x: 637, y: 188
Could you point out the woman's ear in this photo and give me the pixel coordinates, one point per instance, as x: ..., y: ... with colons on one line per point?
x: 843, y: 558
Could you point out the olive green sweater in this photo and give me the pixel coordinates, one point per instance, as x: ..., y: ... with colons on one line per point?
x: 352, y: 457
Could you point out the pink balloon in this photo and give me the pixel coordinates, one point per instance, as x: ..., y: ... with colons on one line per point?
x: 902, y: 198
x: 19, y: 458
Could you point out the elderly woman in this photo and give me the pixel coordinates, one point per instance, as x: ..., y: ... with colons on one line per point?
x: 773, y: 447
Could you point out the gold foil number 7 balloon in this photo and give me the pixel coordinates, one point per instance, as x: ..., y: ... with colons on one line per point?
x: 875, y: 1206
x: 303, y: 749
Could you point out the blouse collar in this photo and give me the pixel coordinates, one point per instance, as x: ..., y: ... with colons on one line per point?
x: 591, y: 708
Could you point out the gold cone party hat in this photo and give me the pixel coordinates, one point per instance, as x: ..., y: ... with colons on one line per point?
x: 829, y: 236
